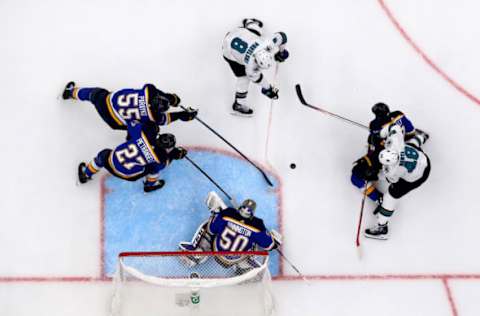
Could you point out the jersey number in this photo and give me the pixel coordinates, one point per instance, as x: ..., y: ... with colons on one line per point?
x: 131, y: 152
x: 231, y: 241
x: 130, y: 102
x: 411, y: 156
x: 239, y: 45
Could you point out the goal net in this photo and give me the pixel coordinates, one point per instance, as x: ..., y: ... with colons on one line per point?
x: 192, y: 283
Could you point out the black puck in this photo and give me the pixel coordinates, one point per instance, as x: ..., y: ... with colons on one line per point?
x: 293, y: 166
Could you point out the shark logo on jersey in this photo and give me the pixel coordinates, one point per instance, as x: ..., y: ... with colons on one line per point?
x: 250, y: 51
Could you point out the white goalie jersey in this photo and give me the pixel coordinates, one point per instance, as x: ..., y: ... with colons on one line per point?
x: 411, y: 163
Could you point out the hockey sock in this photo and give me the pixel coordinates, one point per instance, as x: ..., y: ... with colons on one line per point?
x: 151, y: 180
x: 82, y: 94
x: 383, y: 215
x: 241, y: 98
x: 91, y: 169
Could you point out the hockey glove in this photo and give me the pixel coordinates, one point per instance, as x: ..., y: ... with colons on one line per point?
x: 188, y: 115
x: 277, y: 238
x: 271, y: 92
x: 282, y: 55
x: 178, y: 153
x: 173, y: 99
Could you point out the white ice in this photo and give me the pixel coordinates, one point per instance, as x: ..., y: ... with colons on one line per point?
x: 346, y: 54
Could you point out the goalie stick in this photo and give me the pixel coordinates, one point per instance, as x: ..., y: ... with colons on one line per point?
x: 302, y: 100
x: 270, y: 183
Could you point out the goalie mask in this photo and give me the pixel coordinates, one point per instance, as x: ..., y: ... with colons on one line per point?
x: 247, y: 209
x: 388, y: 157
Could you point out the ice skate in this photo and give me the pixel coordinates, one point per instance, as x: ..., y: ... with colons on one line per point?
x: 241, y: 110
x: 378, y: 231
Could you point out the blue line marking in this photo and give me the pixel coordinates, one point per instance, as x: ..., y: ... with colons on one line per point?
x: 158, y: 221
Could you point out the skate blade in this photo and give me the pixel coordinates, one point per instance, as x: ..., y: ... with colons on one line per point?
x: 380, y: 237
x: 235, y: 113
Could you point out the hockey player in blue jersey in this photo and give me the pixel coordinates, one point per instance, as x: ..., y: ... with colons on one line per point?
x: 366, y: 168
x: 143, y: 155
x: 122, y: 107
x: 231, y: 229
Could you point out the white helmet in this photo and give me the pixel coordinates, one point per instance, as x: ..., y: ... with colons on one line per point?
x: 388, y: 157
x: 254, y: 25
x: 264, y: 58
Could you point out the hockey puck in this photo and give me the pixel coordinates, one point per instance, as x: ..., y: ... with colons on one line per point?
x: 293, y: 166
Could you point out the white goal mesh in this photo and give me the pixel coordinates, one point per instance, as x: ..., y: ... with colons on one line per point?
x: 192, y: 283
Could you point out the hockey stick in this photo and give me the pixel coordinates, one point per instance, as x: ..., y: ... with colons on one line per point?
x: 359, y: 226
x: 302, y: 100
x: 291, y: 265
x: 233, y: 147
x: 234, y: 203
x: 270, y: 115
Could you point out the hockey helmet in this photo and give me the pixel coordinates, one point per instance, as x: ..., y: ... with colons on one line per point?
x: 253, y: 25
x: 166, y: 141
x: 264, y: 57
x: 380, y: 109
x: 247, y: 209
x: 388, y: 157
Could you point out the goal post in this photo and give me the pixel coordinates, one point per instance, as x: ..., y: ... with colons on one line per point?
x: 192, y: 283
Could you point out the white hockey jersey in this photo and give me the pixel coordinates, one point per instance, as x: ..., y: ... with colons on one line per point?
x: 240, y: 44
x: 412, y: 162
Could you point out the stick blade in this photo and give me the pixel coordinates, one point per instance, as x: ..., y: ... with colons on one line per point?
x: 298, y: 89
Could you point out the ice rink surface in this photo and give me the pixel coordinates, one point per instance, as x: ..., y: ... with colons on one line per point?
x: 420, y: 57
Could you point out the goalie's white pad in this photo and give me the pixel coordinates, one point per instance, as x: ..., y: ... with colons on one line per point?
x: 214, y: 202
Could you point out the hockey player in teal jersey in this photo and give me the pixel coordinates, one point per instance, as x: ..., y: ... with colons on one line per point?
x: 122, y: 107
x: 145, y: 154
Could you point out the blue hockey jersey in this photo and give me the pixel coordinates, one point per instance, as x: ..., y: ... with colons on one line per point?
x: 136, y: 157
x: 232, y: 232
x: 132, y: 105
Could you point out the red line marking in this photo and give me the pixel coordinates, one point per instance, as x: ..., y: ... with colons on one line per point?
x: 319, y: 278
x: 378, y: 277
x: 103, y: 192
x: 450, y: 297
x: 425, y: 57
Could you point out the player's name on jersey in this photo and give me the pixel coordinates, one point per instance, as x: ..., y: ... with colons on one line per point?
x: 145, y: 151
x: 239, y: 229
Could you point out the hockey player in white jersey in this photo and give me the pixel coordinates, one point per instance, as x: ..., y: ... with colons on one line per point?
x: 404, y: 168
x: 248, y: 53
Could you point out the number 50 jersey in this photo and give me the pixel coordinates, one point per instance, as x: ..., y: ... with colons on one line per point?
x: 235, y: 233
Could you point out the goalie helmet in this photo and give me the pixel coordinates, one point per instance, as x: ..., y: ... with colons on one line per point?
x: 253, y: 25
x: 247, y: 209
x: 388, y: 157
x: 264, y: 58
x: 166, y: 141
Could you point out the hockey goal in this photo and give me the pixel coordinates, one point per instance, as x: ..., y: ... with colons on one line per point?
x: 192, y: 283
